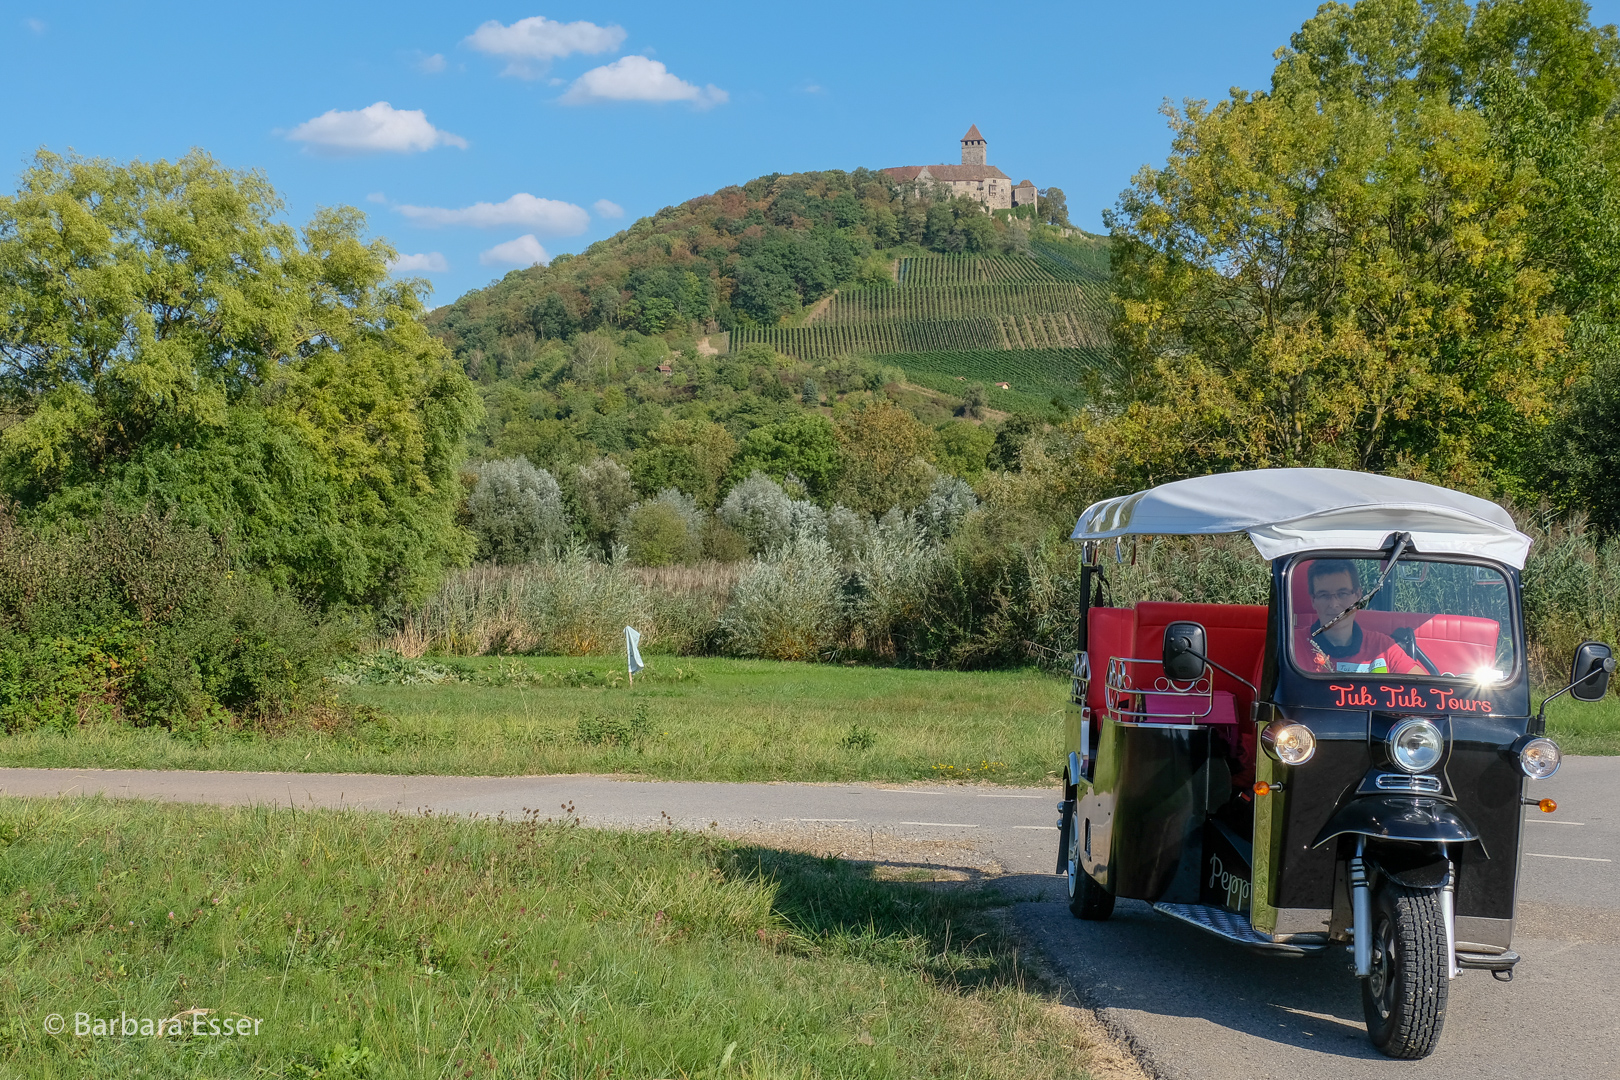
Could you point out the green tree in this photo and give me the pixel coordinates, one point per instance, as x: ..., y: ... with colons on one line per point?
x: 1052, y: 207
x: 886, y: 456
x: 1334, y: 272
x: 167, y: 340
x: 964, y: 448
x: 804, y: 445
x: 692, y: 455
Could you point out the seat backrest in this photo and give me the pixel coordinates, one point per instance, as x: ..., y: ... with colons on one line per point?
x: 1109, y: 632
x: 1457, y: 644
x: 1236, y: 633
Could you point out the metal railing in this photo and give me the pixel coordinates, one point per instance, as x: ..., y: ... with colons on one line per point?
x: 1126, y: 691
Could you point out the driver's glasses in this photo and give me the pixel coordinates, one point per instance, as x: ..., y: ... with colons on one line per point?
x: 1343, y: 596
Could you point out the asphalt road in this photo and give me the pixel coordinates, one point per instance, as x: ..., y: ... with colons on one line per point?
x: 1191, y: 1005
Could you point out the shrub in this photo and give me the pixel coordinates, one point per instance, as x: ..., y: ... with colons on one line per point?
x: 574, y: 606
x: 948, y: 504
x: 516, y: 512
x: 604, y: 490
x: 786, y: 607
x: 848, y: 532
x: 664, y: 530
x: 143, y: 619
x: 888, y: 580
x: 761, y: 511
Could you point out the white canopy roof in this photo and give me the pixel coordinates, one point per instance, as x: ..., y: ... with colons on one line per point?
x: 1290, y: 510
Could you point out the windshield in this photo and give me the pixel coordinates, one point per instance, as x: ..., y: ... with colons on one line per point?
x: 1431, y: 618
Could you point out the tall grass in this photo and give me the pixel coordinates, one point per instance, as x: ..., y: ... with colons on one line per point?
x: 572, y: 606
x: 893, y: 597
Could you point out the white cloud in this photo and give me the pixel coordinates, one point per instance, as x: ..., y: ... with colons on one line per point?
x: 636, y: 78
x: 36, y: 25
x: 607, y: 209
x: 430, y: 65
x: 530, y: 44
x: 427, y: 263
x: 547, y: 215
x: 377, y: 197
x: 375, y: 128
x: 524, y: 251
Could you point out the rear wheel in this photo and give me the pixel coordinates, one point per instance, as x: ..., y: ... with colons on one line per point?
x: 1087, y: 899
x: 1405, y: 996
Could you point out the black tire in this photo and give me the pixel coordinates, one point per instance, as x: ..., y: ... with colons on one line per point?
x: 1405, y: 997
x: 1087, y: 899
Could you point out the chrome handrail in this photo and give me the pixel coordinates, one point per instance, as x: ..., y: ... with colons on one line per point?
x: 1080, y: 677
x: 1120, y: 685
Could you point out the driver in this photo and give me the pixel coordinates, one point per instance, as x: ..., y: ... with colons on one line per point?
x: 1344, y: 646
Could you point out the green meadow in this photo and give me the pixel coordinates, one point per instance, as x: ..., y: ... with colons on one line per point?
x: 683, y: 719
x: 369, y: 945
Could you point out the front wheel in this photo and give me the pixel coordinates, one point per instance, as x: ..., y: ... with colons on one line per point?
x: 1405, y: 996
x: 1087, y: 899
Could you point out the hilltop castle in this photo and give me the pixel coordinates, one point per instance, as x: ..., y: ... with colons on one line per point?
x: 975, y: 178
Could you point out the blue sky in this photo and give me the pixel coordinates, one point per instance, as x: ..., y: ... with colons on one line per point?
x: 557, y: 117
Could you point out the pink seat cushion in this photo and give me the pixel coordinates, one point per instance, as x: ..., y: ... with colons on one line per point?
x: 1181, y: 709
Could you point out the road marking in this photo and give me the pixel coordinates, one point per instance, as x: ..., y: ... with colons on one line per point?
x: 1052, y: 828
x: 983, y: 795
x: 836, y: 820
x: 1577, y: 858
x: 903, y: 791
x: 941, y: 824
x: 1539, y: 821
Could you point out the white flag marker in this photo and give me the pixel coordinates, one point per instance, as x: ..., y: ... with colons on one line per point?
x: 632, y: 651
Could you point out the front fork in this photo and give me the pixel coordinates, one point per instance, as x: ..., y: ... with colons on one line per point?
x: 1361, y: 911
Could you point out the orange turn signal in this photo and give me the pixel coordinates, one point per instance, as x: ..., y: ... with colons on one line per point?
x: 1263, y: 788
x: 1547, y: 806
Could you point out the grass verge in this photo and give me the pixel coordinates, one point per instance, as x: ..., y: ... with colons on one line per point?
x: 684, y: 719
x: 366, y: 945
x: 1585, y: 727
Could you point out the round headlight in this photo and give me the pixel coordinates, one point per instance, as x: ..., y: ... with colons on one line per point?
x: 1416, y: 745
x: 1539, y: 758
x: 1287, y: 742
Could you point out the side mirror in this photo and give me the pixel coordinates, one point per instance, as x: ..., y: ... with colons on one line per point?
x: 1589, y: 675
x: 1185, y: 651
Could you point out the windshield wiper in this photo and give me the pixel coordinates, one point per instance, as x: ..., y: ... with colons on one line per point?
x: 1402, y: 542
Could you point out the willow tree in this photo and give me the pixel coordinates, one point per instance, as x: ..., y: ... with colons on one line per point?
x: 1349, y: 269
x: 166, y: 339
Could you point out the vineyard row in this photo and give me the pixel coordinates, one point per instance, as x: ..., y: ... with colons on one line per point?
x: 1049, y: 330
x: 962, y: 301
x: 980, y: 270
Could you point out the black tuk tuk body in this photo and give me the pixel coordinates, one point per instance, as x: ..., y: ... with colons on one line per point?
x: 1172, y: 797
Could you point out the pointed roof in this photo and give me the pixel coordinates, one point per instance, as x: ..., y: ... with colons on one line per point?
x: 973, y: 135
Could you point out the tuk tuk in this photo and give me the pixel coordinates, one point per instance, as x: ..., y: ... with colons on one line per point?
x: 1346, y: 765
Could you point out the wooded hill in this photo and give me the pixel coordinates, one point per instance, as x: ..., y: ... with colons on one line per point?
x: 753, y: 258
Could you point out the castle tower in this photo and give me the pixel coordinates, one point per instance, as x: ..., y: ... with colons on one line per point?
x: 973, y: 147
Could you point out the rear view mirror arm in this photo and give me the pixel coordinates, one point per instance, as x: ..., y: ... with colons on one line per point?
x: 1608, y: 665
x: 1228, y: 671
